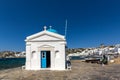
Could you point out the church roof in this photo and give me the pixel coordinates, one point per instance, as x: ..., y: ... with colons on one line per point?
x: 48, y: 32
x: 52, y: 30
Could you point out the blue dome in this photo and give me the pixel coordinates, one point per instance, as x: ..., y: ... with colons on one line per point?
x: 52, y: 30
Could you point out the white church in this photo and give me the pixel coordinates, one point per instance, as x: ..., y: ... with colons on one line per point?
x: 45, y: 51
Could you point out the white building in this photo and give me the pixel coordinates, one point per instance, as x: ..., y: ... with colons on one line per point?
x: 117, y: 48
x: 45, y: 51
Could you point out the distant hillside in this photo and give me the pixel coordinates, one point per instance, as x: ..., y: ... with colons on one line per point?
x: 11, y: 54
x: 79, y: 50
x: 74, y: 50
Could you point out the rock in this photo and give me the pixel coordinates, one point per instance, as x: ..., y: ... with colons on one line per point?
x: 112, y: 61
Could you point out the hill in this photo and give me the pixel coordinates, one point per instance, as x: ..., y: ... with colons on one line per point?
x: 11, y: 54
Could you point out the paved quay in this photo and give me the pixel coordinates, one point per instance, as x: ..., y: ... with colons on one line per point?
x: 80, y: 71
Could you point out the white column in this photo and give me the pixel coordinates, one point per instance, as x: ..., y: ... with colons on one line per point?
x: 52, y: 53
x: 28, y: 56
x: 63, y: 56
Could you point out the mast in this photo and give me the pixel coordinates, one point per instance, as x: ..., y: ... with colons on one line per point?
x: 65, y: 28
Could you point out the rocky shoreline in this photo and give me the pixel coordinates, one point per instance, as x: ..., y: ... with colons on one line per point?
x: 12, y: 54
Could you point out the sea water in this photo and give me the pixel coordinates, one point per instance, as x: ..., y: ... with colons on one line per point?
x: 77, y: 57
x: 7, y: 63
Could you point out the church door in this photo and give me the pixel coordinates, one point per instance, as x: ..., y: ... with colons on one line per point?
x: 45, y: 59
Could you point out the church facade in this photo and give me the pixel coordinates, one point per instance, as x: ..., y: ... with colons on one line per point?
x: 45, y: 51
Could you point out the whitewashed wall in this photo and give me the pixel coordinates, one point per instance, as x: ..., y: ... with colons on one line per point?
x: 57, y: 58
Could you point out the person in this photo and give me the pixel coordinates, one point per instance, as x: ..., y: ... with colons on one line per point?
x: 104, y: 60
x: 68, y: 64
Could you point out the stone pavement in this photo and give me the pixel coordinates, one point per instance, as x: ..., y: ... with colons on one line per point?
x: 80, y: 71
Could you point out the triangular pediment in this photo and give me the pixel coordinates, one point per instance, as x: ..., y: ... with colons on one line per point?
x: 45, y: 36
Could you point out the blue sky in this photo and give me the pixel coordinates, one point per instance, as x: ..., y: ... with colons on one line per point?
x: 90, y: 22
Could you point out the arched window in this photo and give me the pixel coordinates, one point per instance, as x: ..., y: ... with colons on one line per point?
x: 33, y: 55
x: 57, y: 54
